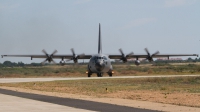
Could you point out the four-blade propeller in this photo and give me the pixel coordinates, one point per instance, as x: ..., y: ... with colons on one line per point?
x: 149, y: 56
x: 49, y: 57
x: 74, y: 56
x: 123, y: 56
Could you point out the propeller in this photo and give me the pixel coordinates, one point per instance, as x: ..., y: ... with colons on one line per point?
x: 75, y: 57
x: 149, y: 56
x: 123, y: 56
x: 49, y: 57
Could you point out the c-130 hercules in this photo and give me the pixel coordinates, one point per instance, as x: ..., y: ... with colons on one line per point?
x: 98, y: 63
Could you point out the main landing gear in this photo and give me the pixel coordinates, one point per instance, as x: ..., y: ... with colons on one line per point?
x: 110, y: 73
x: 88, y: 73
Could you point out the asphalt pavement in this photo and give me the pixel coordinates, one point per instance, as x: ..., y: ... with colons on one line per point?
x: 76, y: 104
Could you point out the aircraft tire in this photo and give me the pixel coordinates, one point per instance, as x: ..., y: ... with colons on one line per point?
x: 99, y: 75
x: 89, y: 74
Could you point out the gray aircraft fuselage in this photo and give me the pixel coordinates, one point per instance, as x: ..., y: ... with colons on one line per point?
x: 100, y: 64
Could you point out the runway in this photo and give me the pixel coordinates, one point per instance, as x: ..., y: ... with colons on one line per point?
x: 70, y: 104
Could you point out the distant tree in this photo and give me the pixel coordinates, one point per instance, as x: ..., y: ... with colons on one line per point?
x: 35, y: 64
x: 7, y: 63
x: 190, y: 59
x: 20, y: 64
x: 14, y: 64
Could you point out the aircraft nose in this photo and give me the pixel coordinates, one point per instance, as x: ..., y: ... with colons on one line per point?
x: 99, y: 66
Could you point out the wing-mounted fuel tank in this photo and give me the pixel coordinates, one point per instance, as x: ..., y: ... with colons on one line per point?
x: 62, y: 62
x: 137, y: 62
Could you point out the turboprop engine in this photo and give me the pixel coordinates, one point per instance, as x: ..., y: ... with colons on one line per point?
x: 123, y: 56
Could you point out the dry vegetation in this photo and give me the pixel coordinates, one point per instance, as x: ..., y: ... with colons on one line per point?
x: 79, y: 70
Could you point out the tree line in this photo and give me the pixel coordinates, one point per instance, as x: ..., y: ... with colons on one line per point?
x: 19, y: 64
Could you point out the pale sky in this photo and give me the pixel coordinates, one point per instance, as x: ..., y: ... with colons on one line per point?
x: 28, y: 26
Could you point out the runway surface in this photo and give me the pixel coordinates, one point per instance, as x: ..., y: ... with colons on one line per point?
x: 75, y: 104
x: 17, y: 104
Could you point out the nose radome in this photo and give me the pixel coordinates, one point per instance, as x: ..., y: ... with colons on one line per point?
x: 99, y: 66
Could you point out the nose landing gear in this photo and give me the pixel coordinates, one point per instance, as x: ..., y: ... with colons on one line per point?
x: 99, y: 74
x: 88, y: 73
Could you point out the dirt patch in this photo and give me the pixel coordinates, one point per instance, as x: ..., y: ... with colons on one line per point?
x: 176, y: 98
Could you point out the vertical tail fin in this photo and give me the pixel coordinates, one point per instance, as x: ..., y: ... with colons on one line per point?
x: 99, y: 41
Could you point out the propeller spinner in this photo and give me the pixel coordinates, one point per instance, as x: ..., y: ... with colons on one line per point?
x: 124, y: 57
x: 149, y: 56
x: 49, y: 57
x: 75, y: 57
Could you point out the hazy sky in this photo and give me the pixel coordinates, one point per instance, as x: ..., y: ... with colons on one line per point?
x: 28, y: 26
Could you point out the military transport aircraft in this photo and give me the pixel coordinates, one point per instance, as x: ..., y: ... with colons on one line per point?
x: 98, y: 63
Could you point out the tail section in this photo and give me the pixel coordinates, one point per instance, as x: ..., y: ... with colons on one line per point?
x: 99, y: 41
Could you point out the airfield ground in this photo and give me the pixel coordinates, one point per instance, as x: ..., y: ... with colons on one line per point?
x: 119, y: 98
x: 181, y: 91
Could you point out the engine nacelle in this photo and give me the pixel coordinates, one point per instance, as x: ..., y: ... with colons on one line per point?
x: 62, y: 62
x: 124, y: 59
x: 137, y: 62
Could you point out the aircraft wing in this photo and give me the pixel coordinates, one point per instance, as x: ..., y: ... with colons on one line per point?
x: 71, y: 56
x: 154, y: 56
x: 32, y: 56
x: 174, y: 55
x: 54, y: 56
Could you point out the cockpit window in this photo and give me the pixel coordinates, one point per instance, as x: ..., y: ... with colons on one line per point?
x: 96, y: 58
x: 99, y: 57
